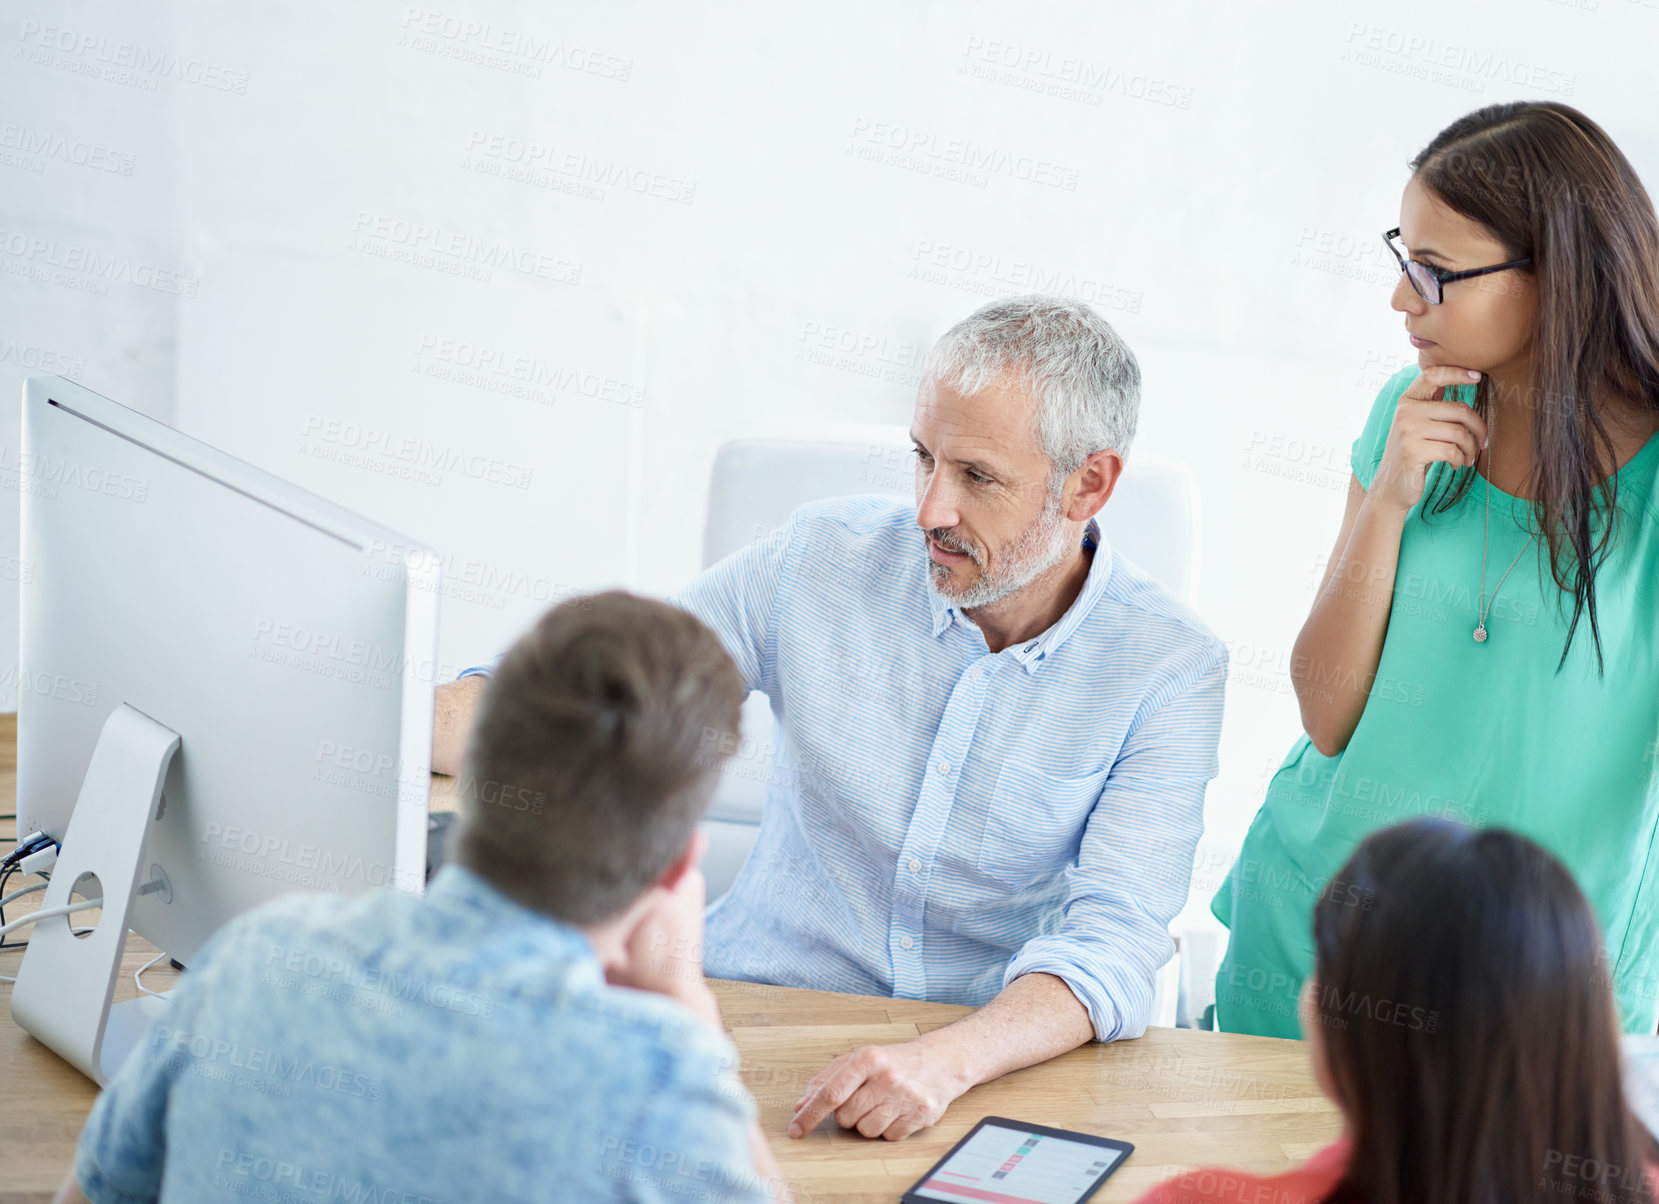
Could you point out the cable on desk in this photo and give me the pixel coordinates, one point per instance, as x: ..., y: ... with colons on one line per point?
x: 51, y: 911
x: 46, y: 913
x: 5, y: 876
x: 138, y: 981
x: 18, y: 894
x: 32, y: 844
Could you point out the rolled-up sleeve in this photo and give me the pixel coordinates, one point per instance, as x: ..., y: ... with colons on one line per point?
x: 1134, y: 865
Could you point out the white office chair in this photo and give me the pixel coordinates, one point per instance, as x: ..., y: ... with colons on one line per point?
x: 1152, y: 519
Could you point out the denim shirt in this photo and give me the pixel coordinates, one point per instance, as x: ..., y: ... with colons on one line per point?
x: 396, y: 1049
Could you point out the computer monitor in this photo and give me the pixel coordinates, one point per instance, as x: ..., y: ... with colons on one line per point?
x: 171, y: 592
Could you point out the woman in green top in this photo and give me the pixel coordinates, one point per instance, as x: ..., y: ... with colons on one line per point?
x: 1485, y: 644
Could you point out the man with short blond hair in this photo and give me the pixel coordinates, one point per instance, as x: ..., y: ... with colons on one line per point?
x: 530, y: 1028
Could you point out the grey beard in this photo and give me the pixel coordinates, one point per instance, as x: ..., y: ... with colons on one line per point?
x: 1038, y: 549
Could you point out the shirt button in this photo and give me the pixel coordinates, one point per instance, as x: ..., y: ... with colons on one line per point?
x: 973, y: 674
x: 944, y: 766
x: 915, y: 866
x: 906, y: 942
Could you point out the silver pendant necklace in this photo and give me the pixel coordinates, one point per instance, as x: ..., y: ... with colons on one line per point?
x: 1485, y: 535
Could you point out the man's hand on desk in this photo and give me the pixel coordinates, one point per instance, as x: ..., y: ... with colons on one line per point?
x: 892, y: 1091
x: 886, y: 1091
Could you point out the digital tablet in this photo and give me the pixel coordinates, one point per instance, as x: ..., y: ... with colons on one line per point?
x: 1004, y: 1161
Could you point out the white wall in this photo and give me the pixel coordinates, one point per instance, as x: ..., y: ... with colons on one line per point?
x: 204, y: 212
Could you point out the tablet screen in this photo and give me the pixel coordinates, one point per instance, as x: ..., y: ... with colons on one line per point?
x: 1005, y: 1162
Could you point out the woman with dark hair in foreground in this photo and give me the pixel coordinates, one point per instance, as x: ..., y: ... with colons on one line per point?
x: 1461, y: 1017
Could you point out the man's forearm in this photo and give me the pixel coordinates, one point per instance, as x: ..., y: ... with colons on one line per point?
x: 453, y: 707
x: 1035, y: 1018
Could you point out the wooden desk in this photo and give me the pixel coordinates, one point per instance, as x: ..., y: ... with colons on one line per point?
x: 1183, y: 1098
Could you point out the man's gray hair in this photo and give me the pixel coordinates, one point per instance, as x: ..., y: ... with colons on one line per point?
x: 1086, y: 380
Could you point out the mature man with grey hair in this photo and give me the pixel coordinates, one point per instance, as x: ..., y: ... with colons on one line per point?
x: 995, y: 732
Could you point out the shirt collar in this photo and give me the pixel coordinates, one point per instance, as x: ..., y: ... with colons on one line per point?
x: 1033, y: 652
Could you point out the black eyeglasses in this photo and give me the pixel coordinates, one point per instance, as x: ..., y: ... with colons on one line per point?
x: 1429, y: 280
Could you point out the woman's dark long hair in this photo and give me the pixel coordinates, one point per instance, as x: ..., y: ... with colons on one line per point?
x: 1548, y: 183
x: 1469, y: 1027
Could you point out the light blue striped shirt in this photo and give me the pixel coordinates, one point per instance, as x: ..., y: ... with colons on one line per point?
x: 941, y: 819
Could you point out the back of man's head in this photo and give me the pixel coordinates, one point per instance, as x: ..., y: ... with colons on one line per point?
x: 594, y: 753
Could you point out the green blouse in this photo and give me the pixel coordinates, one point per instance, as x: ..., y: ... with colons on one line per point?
x: 1486, y: 733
